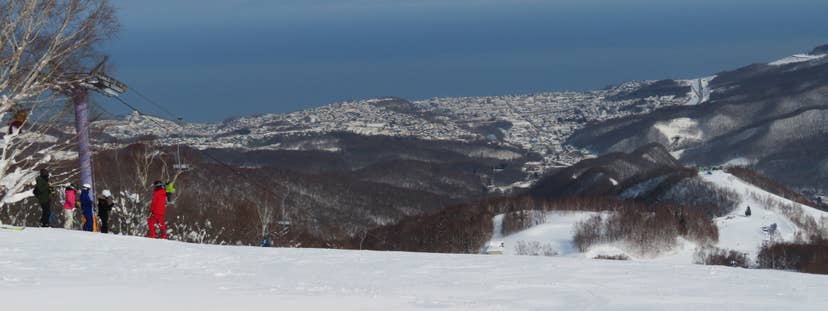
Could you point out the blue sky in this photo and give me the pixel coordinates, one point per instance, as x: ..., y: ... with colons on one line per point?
x: 212, y: 59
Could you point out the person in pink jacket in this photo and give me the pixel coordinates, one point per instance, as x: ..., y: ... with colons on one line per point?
x: 69, y: 207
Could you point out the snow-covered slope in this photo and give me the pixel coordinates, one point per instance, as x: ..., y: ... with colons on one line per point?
x: 736, y: 231
x: 53, y: 269
x: 555, y: 232
x: 796, y: 58
x: 699, y: 90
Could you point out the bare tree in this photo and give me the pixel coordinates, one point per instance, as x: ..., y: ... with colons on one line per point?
x: 44, y: 44
x: 267, y: 211
x: 132, y: 205
x: 144, y: 156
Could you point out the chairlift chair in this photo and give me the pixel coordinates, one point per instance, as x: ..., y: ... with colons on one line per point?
x: 181, y: 167
x: 285, y: 221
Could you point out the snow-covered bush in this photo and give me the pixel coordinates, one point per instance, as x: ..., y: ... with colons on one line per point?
x: 534, y: 248
x: 195, y: 232
x: 612, y: 257
x: 709, y: 255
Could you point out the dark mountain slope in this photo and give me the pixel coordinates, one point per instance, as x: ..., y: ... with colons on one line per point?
x: 648, y: 175
x: 607, y: 175
x: 774, y: 117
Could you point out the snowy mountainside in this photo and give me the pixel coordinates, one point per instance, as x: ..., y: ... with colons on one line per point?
x: 608, y: 174
x: 796, y: 58
x: 736, y: 231
x: 773, y: 116
x: 118, y: 270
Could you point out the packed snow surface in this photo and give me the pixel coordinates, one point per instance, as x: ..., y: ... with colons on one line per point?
x: 54, y: 269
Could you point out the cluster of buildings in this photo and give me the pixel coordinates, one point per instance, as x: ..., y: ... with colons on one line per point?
x: 540, y: 123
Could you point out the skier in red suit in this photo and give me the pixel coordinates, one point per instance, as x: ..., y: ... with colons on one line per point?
x: 157, y: 209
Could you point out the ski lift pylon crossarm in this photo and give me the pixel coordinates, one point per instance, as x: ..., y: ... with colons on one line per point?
x: 104, y: 84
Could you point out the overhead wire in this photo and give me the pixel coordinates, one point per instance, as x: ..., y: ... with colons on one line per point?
x: 251, y: 181
x: 154, y: 103
x: 205, y: 154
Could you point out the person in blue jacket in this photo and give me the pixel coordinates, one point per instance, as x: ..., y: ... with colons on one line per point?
x: 87, y: 202
x: 265, y: 241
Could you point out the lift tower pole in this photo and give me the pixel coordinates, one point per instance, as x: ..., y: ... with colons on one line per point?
x: 79, y: 93
x: 79, y: 96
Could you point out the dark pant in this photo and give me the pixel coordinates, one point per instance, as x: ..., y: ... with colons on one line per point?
x: 104, y: 214
x: 88, y: 220
x: 45, y: 213
x: 156, y: 219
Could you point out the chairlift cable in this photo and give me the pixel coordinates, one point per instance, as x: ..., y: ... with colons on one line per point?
x: 232, y: 169
x: 205, y: 154
x: 147, y: 99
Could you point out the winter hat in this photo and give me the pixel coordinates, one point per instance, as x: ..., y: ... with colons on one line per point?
x: 106, y: 193
x: 158, y: 184
x: 87, y: 186
x: 69, y: 186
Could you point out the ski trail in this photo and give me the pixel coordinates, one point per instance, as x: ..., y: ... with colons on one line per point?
x: 745, y: 234
x: 699, y: 91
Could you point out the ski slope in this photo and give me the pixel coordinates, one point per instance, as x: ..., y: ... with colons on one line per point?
x: 54, y: 269
x: 683, y: 129
x: 699, y: 90
x: 736, y: 231
x: 556, y: 232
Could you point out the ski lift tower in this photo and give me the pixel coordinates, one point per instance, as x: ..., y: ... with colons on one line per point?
x: 79, y: 92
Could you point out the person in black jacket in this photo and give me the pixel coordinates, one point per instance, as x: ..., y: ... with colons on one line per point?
x: 105, y: 204
x: 43, y: 193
